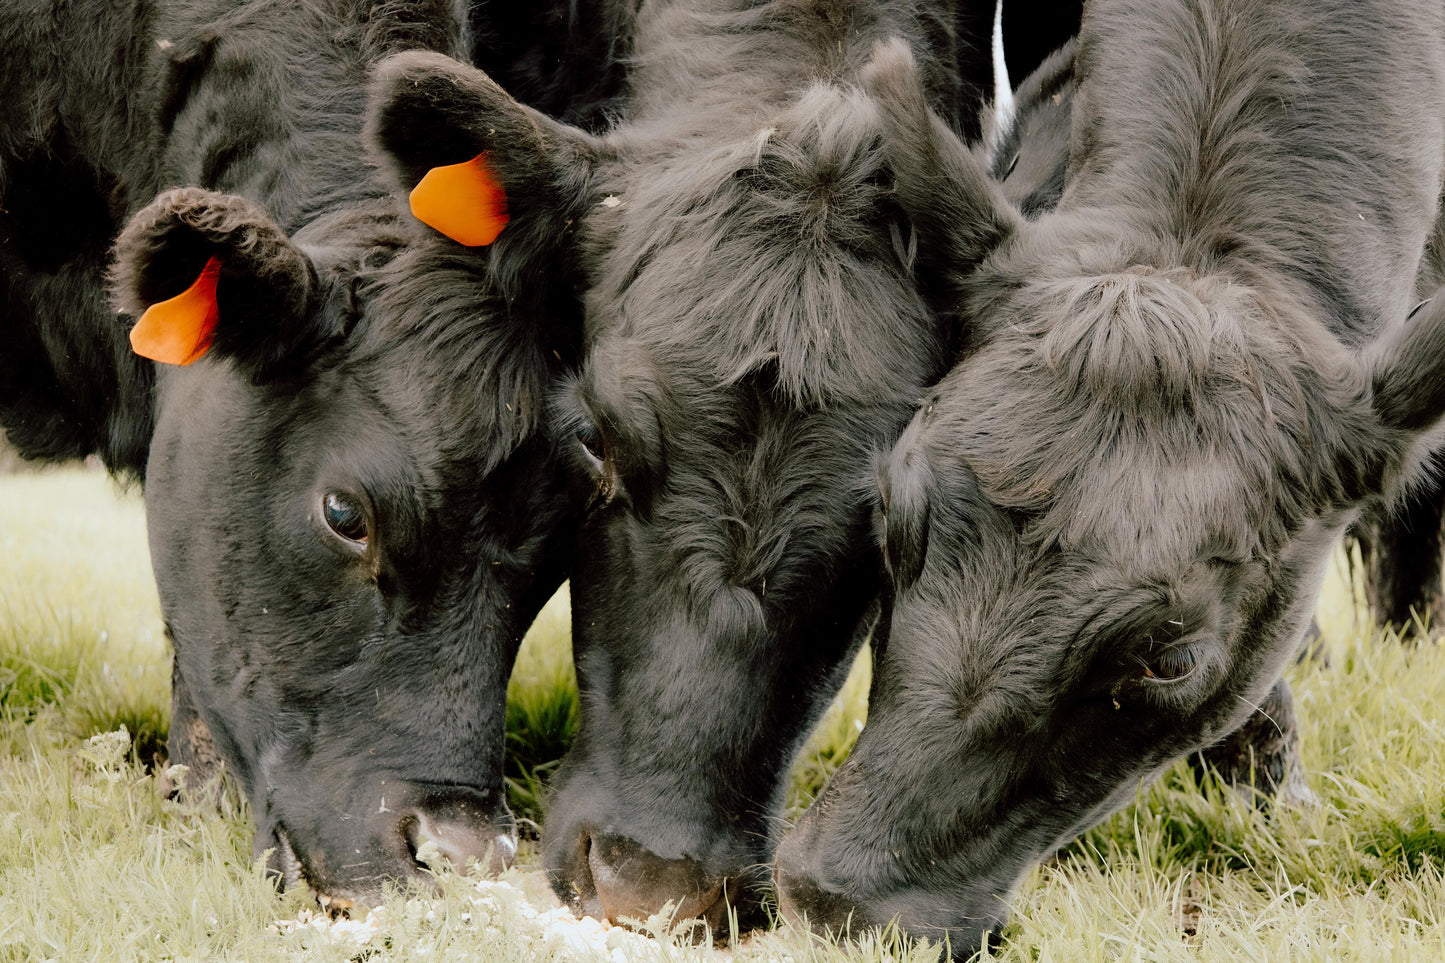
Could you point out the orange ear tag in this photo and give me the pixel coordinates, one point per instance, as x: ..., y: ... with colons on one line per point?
x: 179, y: 330
x: 463, y: 201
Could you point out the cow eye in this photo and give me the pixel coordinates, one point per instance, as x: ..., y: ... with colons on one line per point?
x: 592, y: 444
x: 346, y: 517
x: 1171, y: 664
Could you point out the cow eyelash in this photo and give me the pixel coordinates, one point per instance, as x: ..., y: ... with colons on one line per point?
x: 593, y: 448
x: 592, y: 443
x: 578, y: 432
x: 1170, y: 665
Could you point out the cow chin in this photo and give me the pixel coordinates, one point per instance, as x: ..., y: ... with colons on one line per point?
x: 802, y: 902
x: 965, y: 920
x: 415, y: 828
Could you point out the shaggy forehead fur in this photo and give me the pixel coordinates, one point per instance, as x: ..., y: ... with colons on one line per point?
x: 1171, y: 415
x: 445, y: 347
x: 779, y: 249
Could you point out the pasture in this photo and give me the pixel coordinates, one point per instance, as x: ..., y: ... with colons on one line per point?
x: 95, y: 864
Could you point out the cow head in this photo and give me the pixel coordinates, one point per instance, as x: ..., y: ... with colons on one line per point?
x: 1105, y: 533
x: 354, y: 514
x: 755, y: 336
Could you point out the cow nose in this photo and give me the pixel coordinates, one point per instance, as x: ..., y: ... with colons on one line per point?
x: 464, y: 829
x: 801, y: 898
x: 633, y: 883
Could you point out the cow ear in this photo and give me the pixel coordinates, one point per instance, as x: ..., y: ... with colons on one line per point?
x: 960, y: 214
x: 207, y: 272
x: 1407, y: 370
x: 1030, y: 157
x: 904, y: 484
x: 469, y: 155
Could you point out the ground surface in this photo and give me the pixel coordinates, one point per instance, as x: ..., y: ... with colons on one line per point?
x: 95, y: 865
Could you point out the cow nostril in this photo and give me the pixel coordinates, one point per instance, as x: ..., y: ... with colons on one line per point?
x: 461, y: 843
x: 802, y: 901
x: 632, y: 883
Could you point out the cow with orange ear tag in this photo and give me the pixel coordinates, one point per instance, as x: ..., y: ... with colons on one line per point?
x: 353, y: 504
x: 756, y: 332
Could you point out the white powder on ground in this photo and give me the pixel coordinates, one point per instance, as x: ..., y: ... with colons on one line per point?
x: 496, y: 907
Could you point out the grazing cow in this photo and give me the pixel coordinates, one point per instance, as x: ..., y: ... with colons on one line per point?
x: 1106, y: 528
x: 353, y: 510
x: 755, y: 334
x: 1029, y: 159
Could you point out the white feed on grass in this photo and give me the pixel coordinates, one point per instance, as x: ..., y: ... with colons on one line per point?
x: 497, y: 909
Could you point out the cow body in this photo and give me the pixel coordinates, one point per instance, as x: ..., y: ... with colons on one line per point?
x: 353, y: 510
x: 1107, y: 526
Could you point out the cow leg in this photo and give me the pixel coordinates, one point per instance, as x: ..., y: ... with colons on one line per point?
x: 190, y: 744
x: 1401, y: 555
x: 1261, y: 758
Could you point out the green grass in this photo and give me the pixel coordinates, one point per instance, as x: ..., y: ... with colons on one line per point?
x: 542, y: 711
x: 95, y: 864
x: 81, y: 644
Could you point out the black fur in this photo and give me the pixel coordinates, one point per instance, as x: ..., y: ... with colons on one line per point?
x: 353, y: 690
x: 755, y: 336
x: 1402, y: 545
x: 1179, y: 388
x: 566, y: 58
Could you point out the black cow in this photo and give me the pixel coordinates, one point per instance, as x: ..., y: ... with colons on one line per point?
x: 1029, y: 157
x: 354, y: 512
x: 755, y: 335
x: 1107, y: 527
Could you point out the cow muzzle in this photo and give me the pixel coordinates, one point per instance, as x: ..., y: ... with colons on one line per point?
x: 633, y: 883
x: 941, y: 916
x: 407, y: 832
x: 461, y: 831
x: 619, y: 879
